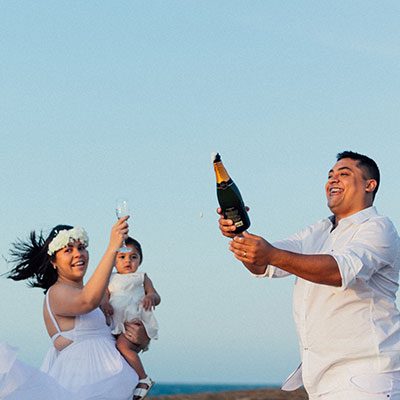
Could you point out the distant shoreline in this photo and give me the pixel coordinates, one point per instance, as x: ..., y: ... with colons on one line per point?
x: 258, y: 394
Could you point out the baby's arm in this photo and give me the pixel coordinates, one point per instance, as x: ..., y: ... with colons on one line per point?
x: 151, y: 298
x: 106, y: 307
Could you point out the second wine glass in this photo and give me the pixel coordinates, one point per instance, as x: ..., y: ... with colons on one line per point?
x: 122, y: 210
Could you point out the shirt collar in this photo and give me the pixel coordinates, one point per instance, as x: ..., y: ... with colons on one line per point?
x: 357, y: 218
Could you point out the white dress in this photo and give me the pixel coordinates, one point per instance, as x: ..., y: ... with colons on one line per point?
x: 90, y: 368
x: 126, y: 293
x: 19, y: 381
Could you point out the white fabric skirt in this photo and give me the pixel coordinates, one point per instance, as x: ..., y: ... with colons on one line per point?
x: 109, y: 378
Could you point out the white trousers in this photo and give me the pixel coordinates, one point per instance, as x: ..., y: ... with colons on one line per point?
x: 356, y: 395
x: 366, y: 387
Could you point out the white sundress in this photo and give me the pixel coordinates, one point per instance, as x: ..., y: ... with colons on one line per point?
x: 19, y: 381
x: 90, y: 368
x: 126, y: 294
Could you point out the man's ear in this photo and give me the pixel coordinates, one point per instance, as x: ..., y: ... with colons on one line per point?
x: 371, y: 185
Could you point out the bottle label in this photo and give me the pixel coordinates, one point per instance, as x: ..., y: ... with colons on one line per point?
x: 233, y: 214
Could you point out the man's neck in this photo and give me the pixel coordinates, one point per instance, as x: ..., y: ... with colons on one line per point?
x: 336, y: 218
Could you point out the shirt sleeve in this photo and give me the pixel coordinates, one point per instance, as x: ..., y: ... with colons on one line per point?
x: 374, y: 246
x: 293, y: 244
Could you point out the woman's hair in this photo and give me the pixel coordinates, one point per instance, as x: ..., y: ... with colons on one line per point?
x: 133, y: 242
x: 31, y: 261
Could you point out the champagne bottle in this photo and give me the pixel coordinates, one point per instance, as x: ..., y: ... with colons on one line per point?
x: 229, y: 197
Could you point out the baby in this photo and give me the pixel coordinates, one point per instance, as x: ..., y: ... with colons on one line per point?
x: 131, y: 295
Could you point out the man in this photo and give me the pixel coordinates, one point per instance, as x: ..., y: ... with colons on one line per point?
x: 347, y: 269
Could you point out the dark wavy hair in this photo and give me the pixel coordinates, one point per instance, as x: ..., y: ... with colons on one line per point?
x: 129, y: 241
x: 31, y: 262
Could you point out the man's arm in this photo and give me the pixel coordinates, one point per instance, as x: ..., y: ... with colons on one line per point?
x: 256, y: 254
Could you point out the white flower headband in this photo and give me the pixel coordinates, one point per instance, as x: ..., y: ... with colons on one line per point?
x: 66, y: 236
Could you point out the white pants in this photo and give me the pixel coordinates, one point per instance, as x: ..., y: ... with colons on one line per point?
x: 367, y: 387
x: 356, y: 395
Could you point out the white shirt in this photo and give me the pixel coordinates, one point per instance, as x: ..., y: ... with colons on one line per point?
x: 347, y: 331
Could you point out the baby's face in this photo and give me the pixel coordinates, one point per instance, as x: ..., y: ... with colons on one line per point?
x: 126, y: 263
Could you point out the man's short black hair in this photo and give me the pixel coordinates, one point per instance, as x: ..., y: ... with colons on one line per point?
x: 368, y: 166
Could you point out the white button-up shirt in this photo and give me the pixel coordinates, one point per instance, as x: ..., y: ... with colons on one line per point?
x: 354, y: 329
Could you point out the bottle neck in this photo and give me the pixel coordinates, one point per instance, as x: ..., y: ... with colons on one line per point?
x: 220, y: 172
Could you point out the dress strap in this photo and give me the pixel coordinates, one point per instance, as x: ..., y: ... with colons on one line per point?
x: 52, y: 316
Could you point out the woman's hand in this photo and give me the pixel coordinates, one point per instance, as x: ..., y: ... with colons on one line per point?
x: 136, y: 333
x: 119, y: 233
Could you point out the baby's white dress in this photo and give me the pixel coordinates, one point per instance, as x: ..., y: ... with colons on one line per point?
x: 126, y: 293
x: 90, y: 368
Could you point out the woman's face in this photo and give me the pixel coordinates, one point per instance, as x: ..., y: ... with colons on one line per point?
x: 71, y: 261
x: 126, y: 263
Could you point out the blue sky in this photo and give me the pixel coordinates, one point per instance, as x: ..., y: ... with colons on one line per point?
x: 129, y: 98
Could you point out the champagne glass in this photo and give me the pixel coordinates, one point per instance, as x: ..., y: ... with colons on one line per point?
x: 122, y: 210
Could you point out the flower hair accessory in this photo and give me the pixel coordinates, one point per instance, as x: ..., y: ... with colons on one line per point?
x: 66, y: 236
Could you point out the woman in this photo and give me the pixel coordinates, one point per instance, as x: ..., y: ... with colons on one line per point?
x: 83, y: 361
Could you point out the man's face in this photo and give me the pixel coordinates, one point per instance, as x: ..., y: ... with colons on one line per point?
x: 347, y: 190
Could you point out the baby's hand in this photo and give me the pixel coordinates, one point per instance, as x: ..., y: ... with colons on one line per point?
x: 107, y: 309
x: 148, y: 302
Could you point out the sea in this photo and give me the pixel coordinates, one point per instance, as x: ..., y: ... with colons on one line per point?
x: 163, y: 389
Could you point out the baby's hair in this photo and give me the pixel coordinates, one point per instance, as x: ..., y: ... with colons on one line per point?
x: 133, y: 242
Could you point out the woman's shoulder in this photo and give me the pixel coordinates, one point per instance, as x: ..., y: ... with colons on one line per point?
x: 60, y: 291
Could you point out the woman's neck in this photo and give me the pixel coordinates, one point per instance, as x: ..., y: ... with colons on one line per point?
x: 78, y: 285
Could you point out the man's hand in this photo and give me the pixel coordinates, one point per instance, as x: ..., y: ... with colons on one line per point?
x: 136, y: 333
x: 254, y: 251
x: 226, y: 226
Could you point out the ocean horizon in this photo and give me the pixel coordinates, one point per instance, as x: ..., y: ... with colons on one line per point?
x: 164, y: 389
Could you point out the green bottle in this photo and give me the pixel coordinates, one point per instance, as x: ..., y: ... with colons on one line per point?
x: 229, y: 197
